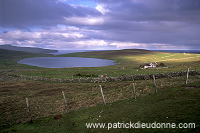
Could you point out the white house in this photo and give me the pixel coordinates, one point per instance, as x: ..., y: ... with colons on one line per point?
x: 151, y: 65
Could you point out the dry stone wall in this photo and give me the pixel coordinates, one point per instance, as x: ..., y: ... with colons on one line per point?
x: 107, y: 79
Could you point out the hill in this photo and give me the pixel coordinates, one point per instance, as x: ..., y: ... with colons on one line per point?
x: 27, y: 49
x: 110, y: 54
x: 16, y: 55
x: 9, y: 58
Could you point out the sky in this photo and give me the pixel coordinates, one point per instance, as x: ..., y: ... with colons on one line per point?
x: 101, y: 24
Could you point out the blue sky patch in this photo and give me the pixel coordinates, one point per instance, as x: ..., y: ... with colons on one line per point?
x: 88, y: 3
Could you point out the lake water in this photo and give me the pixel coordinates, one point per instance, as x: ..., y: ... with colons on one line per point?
x: 66, y: 62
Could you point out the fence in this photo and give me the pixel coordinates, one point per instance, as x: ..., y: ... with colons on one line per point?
x: 19, y: 109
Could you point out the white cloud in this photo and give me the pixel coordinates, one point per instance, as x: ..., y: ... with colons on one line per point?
x: 67, y: 37
x: 17, y: 34
x: 85, y: 20
x: 155, y: 46
x: 72, y: 28
x: 127, y: 44
x: 68, y: 28
x: 2, y: 42
x: 152, y: 46
x: 40, y: 37
x: 91, y: 43
x: 102, y: 9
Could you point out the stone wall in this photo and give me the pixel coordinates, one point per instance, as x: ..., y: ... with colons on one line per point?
x: 107, y: 79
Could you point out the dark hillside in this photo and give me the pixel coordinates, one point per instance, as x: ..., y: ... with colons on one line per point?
x: 16, y: 55
x: 27, y: 49
x: 9, y: 58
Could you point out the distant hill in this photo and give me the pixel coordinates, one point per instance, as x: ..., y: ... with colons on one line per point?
x: 27, y: 49
x: 9, y: 59
x: 17, y: 55
x: 109, y: 54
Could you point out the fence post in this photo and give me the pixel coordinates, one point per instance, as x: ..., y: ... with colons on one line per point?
x: 28, y: 109
x: 134, y: 91
x: 154, y: 80
x: 65, y: 101
x: 79, y: 79
x: 187, y: 76
x: 102, y: 94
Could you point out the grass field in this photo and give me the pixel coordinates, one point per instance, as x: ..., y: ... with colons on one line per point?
x: 175, y: 101
x: 127, y: 63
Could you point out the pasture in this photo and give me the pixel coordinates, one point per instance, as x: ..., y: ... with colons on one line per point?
x: 175, y: 101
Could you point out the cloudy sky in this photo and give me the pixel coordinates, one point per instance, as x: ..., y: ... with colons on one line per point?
x: 101, y: 24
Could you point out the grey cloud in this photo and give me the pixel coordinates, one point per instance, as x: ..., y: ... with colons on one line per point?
x: 174, y: 22
x: 154, y: 21
x: 27, y: 13
x: 154, y: 10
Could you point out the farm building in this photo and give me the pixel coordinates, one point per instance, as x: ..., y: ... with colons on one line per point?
x: 151, y: 65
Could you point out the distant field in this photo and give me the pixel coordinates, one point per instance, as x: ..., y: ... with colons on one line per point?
x: 128, y: 62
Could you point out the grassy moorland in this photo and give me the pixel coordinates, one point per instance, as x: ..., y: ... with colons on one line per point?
x: 127, y: 63
x: 175, y: 102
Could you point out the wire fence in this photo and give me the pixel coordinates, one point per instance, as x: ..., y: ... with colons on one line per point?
x: 34, y: 103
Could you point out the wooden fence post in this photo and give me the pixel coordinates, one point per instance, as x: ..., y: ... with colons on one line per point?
x: 187, y: 76
x: 28, y: 109
x: 134, y: 91
x: 102, y: 94
x: 154, y: 80
x: 65, y: 101
x: 79, y: 79
x: 27, y: 105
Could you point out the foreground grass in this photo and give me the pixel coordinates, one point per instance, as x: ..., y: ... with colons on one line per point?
x: 173, y: 104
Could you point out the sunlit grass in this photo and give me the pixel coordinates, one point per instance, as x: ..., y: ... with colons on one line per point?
x: 128, y: 64
x: 167, y: 57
